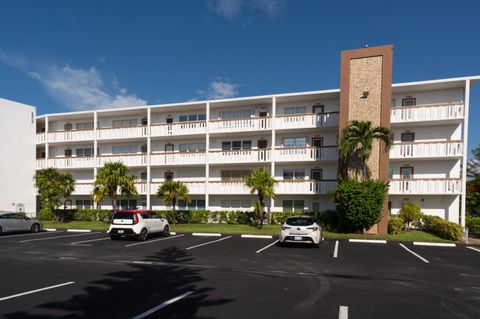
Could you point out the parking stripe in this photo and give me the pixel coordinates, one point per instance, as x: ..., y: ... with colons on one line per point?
x: 163, y: 305
x: 335, y: 251
x: 55, y: 237
x: 208, y: 243
x: 421, y: 243
x: 473, y: 248
x: 257, y: 236
x: 269, y: 245
x: 26, y: 234
x: 343, y: 312
x: 87, y: 241
x: 36, y: 290
x: 415, y: 254
x: 153, y: 241
x: 207, y: 234
x: 369, y: 241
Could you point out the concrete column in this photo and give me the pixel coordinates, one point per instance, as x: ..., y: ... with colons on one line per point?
x: 272, y: 146
x: 149, y: 150
x: 207, y: 154
x: 465, y: 154
x: 95, y: 151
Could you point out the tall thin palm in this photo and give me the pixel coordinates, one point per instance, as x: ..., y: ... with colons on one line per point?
x: 67, y: 184
x: 357, y: 142
x: 263, y: 184
x: 111, y: 180
x: 171, y: 192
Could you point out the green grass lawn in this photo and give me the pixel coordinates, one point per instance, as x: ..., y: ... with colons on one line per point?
x: 246, y: 229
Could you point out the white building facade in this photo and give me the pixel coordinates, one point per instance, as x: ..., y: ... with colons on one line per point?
x: 212, y: 145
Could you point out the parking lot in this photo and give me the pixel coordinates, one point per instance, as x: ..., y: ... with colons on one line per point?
x: 87, y: 275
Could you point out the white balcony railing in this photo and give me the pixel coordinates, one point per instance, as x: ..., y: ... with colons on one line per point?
x: 177, y: 158
x: 305, y: 187
x: 228, y: 188
x: 430, y: 112
x: 306, y: 120
x: 289, y: 154
x: 420, y: 186
x: 127, y: 159
x: 41, y: 137
x: 427, y: 150
x: 240, y: 125
x: 194, y: 187
x: 239, y: 156
x: 66, y: 162
x: 122, y: 132
x: 83, y: 188
x: 180, y: 128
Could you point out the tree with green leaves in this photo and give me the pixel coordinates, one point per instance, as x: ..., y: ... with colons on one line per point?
x: 52, y: 186
x: 410, y: 213
x: 263, y: 184
x: 473, y: 165
x: 356, y: 144
x: 113, y: 180
x: 171, y: 192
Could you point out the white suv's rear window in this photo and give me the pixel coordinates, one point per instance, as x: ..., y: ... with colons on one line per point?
x: 123, y: 218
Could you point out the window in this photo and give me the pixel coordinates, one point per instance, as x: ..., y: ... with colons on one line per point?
x: 67, y: 127
x: 83, y: 203
x: 315, y: 206
x: 84, y: 152
x: 236, y: 203
x: 393, y: 102
x: 192, y: 147
x: 293, y: 206
x: 406, y: 172
x: 294, y: 174
x: 409, y: 101
x: 68, y: 152
x: 192, y: 117
x: 143, y: 176
x: 127, y: 203
x: 144, y: 121
x: 84, y: 126
x: 294, y: 141
x: 234, y: 175
x: 408, y: 137
x: 295, y: 110
x: 124, y: 123
x: 168, y: 176
x: 195, y: 204
x: 124, y: 149
x: 390, y: 172
x: 144, y: 148
x: 236, y: 115
x: 236, y: 145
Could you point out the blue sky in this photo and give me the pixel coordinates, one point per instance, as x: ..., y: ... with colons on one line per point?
x: 73, y: 55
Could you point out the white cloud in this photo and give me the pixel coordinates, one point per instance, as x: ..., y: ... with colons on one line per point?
x: 232, y: 9
x: 77, y: 89
x: 220, y: 89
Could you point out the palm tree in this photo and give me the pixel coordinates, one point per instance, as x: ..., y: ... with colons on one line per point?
x: 67, y: 184
x: 47, y: 182
x: 172, y: 192
x: 356, y: 145
x: 111, y: 180
x: 261, y: 182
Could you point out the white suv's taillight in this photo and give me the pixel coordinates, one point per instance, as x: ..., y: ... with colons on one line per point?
x: 135, y: 218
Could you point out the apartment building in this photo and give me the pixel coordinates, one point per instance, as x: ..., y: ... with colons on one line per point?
x: 212, y: 145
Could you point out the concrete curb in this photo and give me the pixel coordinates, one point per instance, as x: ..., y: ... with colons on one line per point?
x: 50, y: 229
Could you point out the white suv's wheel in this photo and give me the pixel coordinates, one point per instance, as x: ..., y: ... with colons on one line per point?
x: 143, y: 235
x: 166, y: 230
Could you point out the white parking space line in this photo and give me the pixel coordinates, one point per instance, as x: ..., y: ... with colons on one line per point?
x: 415, y: 254
x: 163, y: 305
x: 36, y: 290
x: 207, y: 234
x: 26, y: 234
x: 269, y: 245
x: 79, y: 230
x: 55, y: 237
x: 370, y: 241
x: 87, y: 241
x: 257, y: 236
x: 421, y: 243
x: 208, y: 243
x: 343, y: 312
x: 473, y: 248
x: 153, y: 241
x: 50, y: 229
x: 335, y: 251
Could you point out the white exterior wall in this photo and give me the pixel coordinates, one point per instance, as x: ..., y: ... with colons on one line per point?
x: 17, y: 138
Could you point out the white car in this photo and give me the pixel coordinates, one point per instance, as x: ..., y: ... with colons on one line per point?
x: 301, y: 229
x: 137, y: 224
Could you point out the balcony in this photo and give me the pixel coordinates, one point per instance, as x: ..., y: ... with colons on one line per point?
x: 303, y: 187
x: 428, y: 112
x: 65, y: 162
x: 180, y: 128
x: 240, y: 125
x: 194, y: 188
x: 83, y: 189
x: 66, y: 136
x: 127, y: 159
x: 450, y: 149
x: 426, y: 186
x: 177, y: 158
x: 307, y: 120
x: 228, y: 188
x: 122, y: 132
x: 240, y: 156
x: 301, y: 154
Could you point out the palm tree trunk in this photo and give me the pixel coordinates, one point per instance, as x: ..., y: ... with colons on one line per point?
x: 261, y: 211
x: 174, y: 211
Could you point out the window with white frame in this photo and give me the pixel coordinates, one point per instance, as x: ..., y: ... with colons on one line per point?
x: 84, y: 152
x: 293, y: 206
x: 295, y: 110
x: 125, y: 123
x: 294, y: 141
x: 234, y: 175
x: 192, y: 117
x: 293, y: 174
x: 127, y: 203
x: 236, y: 145
x: 316, y: 207
x: 124, y: 149
x: 84, y: 126
x: 236, y: 115
x: 195, y: 204
x: 83, y: 203
x: 192, y: 147
x: 236, y: 203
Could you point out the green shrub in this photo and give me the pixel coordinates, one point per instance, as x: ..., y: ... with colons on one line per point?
x: 45, y: 214
x: 328, y: 218
x: 359, y: 203
x: 441, y: 227
x: 410, y: 213
x: 281, y: 217
x: 199, y: 217
x: 473, y: 224
x: 395, y: 224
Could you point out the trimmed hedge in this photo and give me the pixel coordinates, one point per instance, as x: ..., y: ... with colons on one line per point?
x: 441, y: 227
x: 473, y: 224
x: 395, y: 224
x: 84, y: 215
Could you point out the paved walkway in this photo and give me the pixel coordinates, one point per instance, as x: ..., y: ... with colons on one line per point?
x: 473, y: 241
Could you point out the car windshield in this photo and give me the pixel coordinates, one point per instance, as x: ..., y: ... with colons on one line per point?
x: 123, y: 215
x: 300, y: 221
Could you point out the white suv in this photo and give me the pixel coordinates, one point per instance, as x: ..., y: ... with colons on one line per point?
x: 137, y: 224
x: 301, y: 229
